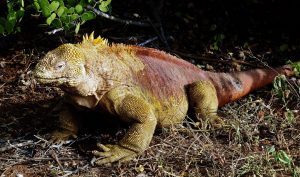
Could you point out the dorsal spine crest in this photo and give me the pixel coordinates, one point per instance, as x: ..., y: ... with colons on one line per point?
x: 90, y: 39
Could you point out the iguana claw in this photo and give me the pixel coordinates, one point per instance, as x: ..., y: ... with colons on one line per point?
x: 112, y: 153
x: 60, y: 137
x: 216, y: 122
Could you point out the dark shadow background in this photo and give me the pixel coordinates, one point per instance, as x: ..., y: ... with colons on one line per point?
x: 184, y: 25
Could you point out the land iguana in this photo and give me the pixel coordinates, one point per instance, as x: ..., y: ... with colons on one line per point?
x: 145, y: 87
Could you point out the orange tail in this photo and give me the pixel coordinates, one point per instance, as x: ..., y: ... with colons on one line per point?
x: 232, y: 86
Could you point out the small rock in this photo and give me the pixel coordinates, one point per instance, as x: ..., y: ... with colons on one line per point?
x: 19, y: 175
x: 2, y: 64
x: 141, y: 175
x: 242, y: 55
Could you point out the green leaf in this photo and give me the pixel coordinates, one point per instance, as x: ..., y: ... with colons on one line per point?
x: 74, y: 17
x: 50, y: 19
x: 61, y: 2
x: 78, y: 8
x: 22, y: 3
x: 84, y: 3
x: 106, y: 3
x: 36, y: 6
x: 11, y: 21
x: 61, y: 10
x: 89, y: 15
x: 1, y: 29
x: 45, y: 7
x: 56, y: 23
x: 283, y: 157
x: 54, y: 6
x: 18, y: 29
x: 290, y: 117
x: 12, y: 17
x: 104, y: 6
x: 271, y: 149
x: 296, y: 68
x: 10, y: 7
x: 77, y: 28
x: 284, y: 47
x: 9, y: 27
x: 65, y: 19
x: 71, y: 2
x: 71, y: 10
x: 2, y: 21
x: 20, y: 14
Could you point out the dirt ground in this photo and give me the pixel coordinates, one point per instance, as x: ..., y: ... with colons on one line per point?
x: 262, y: 132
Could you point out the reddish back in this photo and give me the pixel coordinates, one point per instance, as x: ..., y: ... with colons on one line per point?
x: 166, y: 76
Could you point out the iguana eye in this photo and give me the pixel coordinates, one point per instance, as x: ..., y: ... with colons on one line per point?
x: 60, y: 65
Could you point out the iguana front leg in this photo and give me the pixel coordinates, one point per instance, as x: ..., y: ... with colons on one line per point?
x: 67, y: 127
x: 138, y: 112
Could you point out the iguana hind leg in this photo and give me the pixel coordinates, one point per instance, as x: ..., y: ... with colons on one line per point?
x: 203, y: 99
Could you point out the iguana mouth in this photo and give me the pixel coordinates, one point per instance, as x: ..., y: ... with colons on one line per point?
x: 52, y: 80
x: 58, y: 81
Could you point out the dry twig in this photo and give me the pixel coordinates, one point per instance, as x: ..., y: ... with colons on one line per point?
x: 113, y: 18
x: 148, y: 41
x: 11, y: 146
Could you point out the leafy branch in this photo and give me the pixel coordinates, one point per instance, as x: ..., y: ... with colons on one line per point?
x: 58, y: 14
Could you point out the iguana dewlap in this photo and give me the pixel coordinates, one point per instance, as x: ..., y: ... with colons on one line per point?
x: 143, y: 86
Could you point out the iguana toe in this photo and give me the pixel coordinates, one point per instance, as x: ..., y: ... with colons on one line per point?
x: 60, y: 137
x: 216, y: 122
x: 112, y: 153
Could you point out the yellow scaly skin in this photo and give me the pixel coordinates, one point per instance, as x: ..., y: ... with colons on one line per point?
x: 146, y: 92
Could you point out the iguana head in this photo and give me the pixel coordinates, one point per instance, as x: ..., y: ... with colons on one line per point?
x: 66, y: 65
x: 61, y: 66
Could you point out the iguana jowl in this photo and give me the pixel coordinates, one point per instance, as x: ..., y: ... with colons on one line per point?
x: 146, y: 87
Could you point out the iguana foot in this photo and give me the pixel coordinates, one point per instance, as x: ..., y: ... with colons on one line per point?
x: 61, y: 136
x: 216, y: 122
x: 112, y: 153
